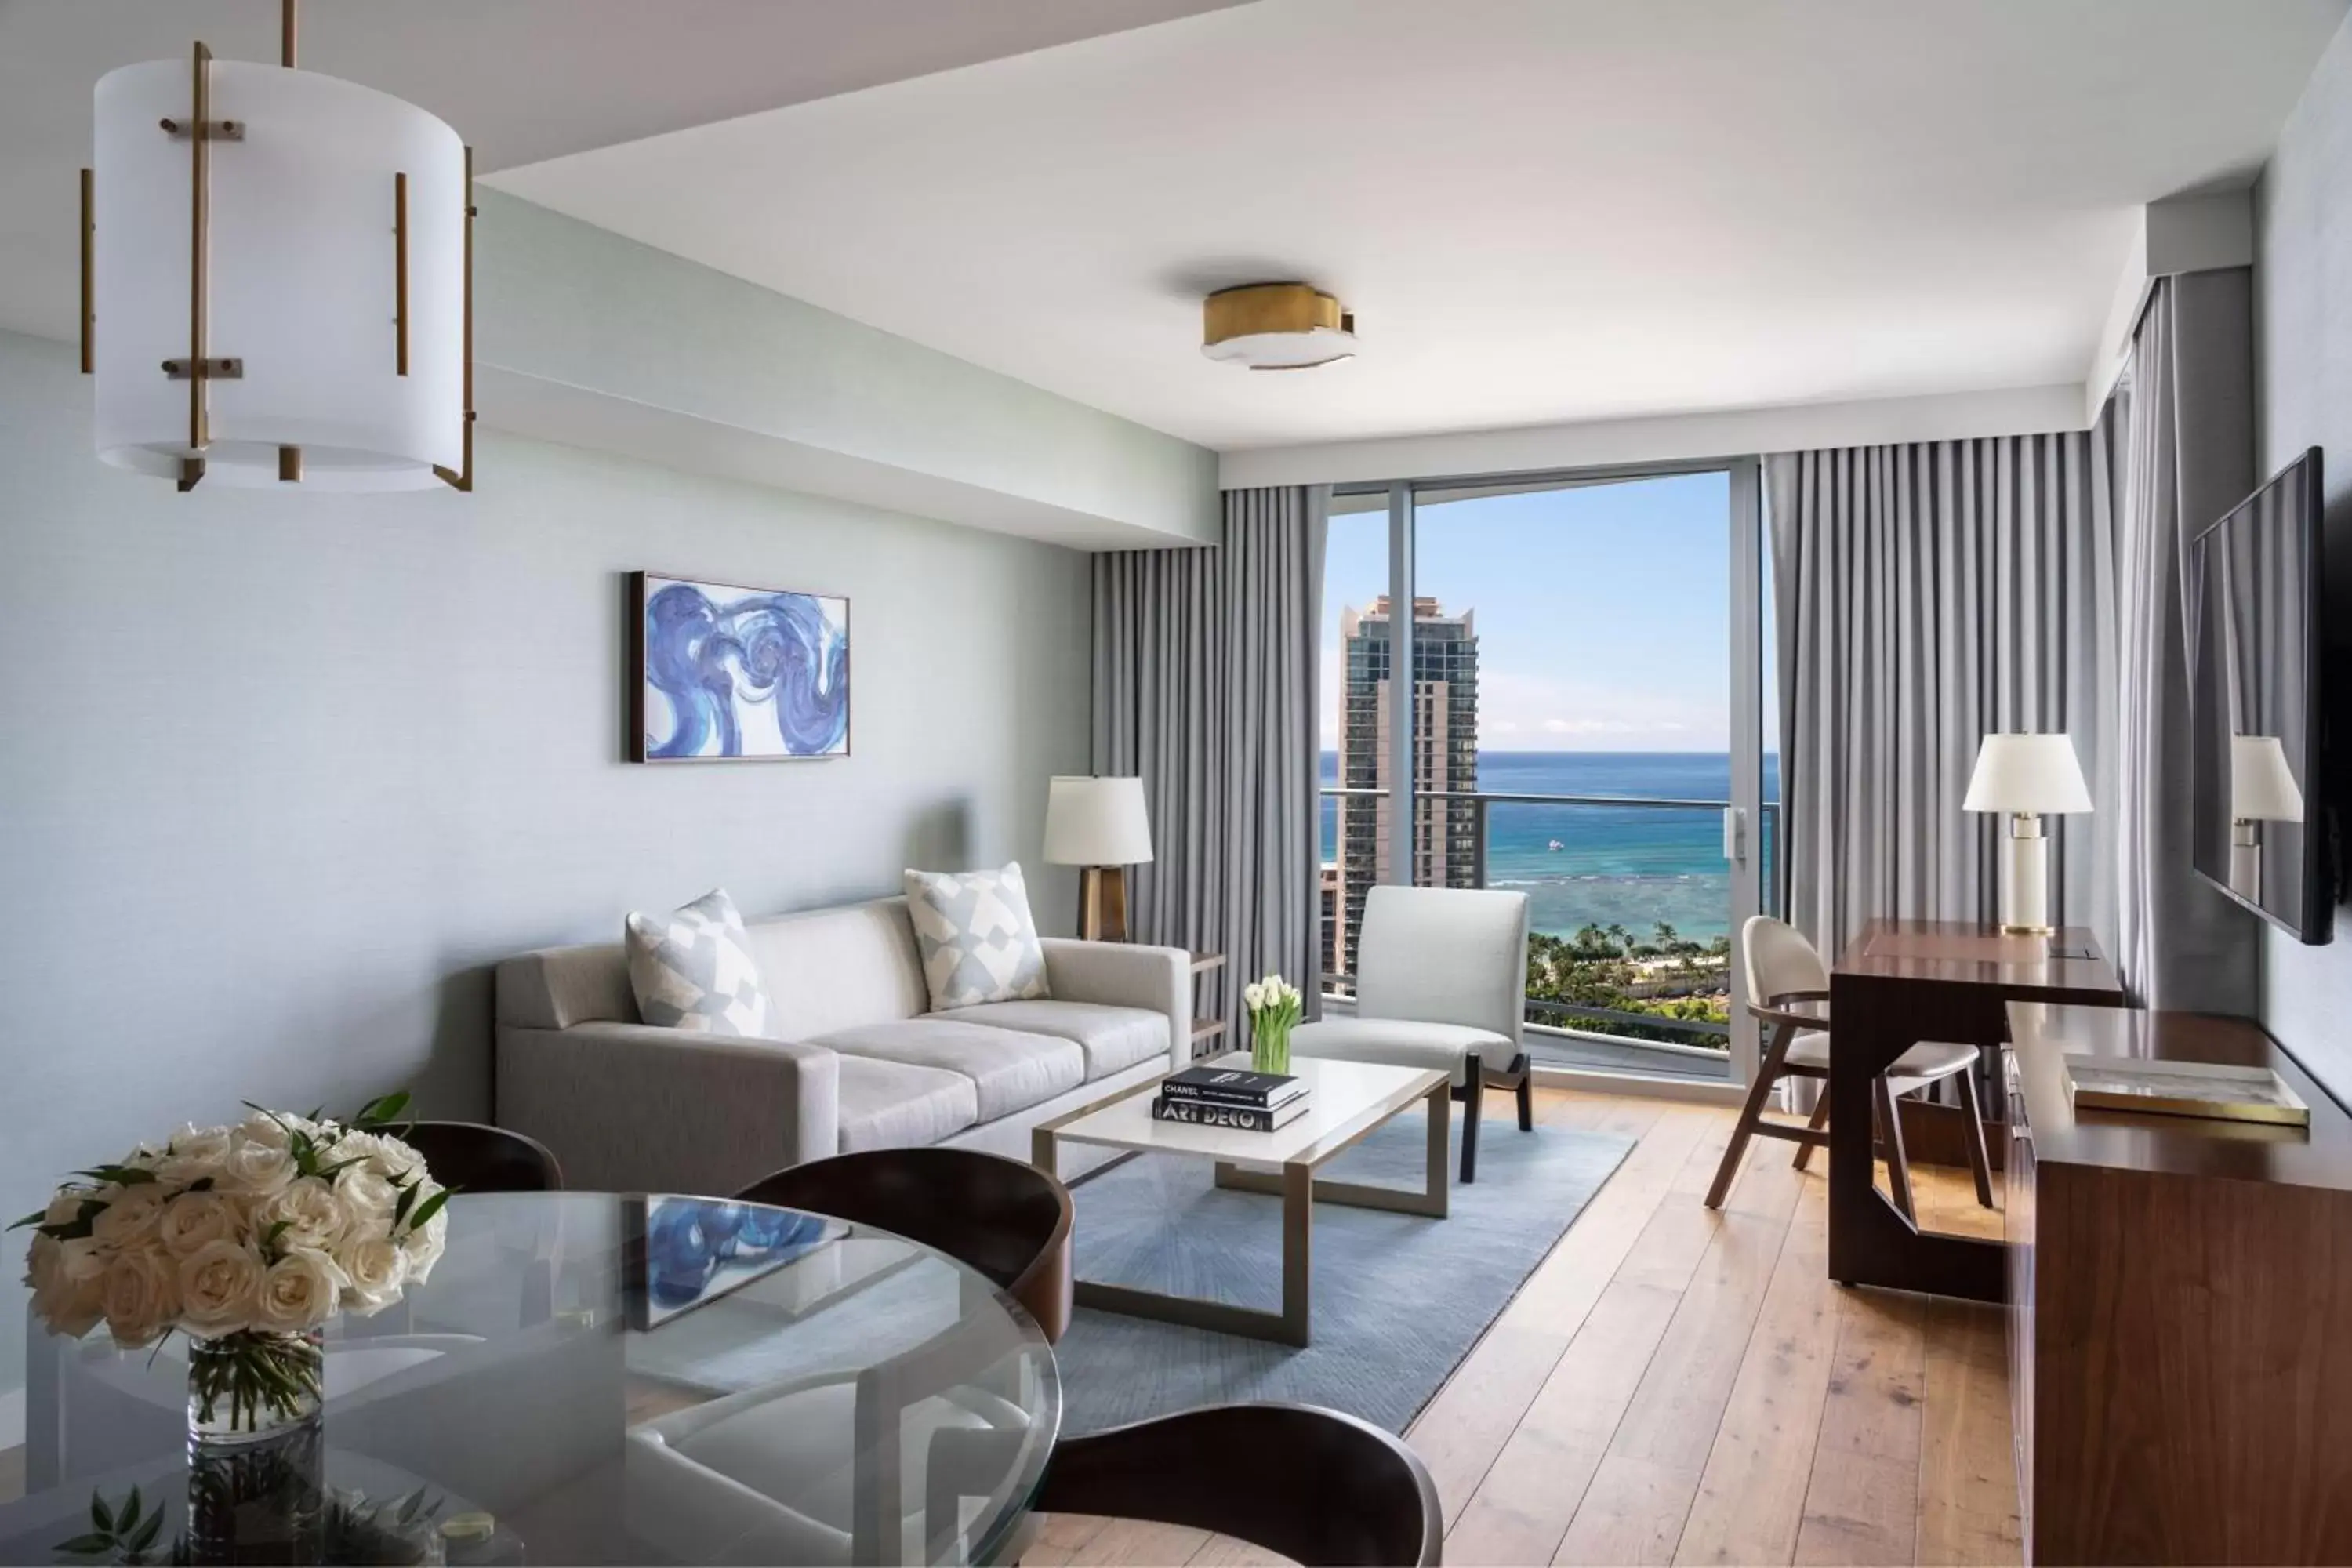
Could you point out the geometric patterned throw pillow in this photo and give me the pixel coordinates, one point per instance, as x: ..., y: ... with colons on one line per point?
x: 693, y: 970
x: 978, y: 942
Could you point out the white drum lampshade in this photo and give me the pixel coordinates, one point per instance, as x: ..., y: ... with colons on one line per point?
x: 332, y: 310
x: 1097, y: 821
x: 2023, y: 776
x: 1103, y: 826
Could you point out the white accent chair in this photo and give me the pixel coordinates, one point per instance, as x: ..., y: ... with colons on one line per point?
x: 1441, y: 981
x: 1788, y: 988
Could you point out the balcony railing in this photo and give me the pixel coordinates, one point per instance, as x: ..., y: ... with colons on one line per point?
x: 1559, y: 964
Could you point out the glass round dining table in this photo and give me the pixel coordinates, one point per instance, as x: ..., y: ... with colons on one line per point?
x: 588, y: 1378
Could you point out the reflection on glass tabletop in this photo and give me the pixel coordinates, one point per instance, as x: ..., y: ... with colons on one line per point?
x: 623, y: 1380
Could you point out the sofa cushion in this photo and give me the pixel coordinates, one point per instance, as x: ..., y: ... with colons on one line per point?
x: 693, y: 969
x: 1399, y: 1043
x: 1114, y: 1038
x: 1010, y: 1071
x: 837, y: 968
x: 978, y: 940
x: 894, y: 1105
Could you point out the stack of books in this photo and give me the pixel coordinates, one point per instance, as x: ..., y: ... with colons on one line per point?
x: 1229, y: 1097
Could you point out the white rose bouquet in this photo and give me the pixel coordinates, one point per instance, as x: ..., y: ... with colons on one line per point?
x: 247, y: 1239
x: 1275, y: 1007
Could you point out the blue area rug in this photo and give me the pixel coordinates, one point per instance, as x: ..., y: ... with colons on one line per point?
x: 1398, y: 1300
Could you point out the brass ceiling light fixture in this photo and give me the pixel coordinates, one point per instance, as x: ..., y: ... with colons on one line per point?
x: 1276, y: 326
x: 277, y: 279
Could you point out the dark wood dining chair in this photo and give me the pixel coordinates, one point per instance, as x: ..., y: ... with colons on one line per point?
x: 1006, y: 1220
x: 480, y: 1159
x: 1332, y: 1489
x: 1789, y: 992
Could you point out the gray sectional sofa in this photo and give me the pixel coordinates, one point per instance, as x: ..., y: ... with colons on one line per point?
x: 856, y: 1060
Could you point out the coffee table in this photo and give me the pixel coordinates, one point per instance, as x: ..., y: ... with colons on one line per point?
x: 1346, y: 1100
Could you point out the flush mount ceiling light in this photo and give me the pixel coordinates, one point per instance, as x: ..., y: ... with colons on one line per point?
x: 277, y: 279
x: 1276, y: 326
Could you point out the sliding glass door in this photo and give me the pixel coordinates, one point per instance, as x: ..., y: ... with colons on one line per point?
x: 1581, y: 724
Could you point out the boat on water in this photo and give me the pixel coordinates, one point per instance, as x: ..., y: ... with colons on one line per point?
x: 1555, y: 847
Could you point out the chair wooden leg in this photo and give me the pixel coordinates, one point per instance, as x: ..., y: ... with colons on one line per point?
x: 1527, y: 1095
x: 1979, y: 1162
x: 1474, y: 1084
x: 1768, y: 1072
x: 1821, y: 1115
x: 1898, y: 1167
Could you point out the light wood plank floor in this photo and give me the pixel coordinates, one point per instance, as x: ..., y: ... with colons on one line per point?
x: 1676, y: 1387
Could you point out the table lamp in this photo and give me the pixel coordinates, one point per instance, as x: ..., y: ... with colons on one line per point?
x: 2262, y: 789
x: 1101, y: 825
x: 2024, y: 776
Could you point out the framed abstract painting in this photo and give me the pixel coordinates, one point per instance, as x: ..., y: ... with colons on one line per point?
x: 726, y: 673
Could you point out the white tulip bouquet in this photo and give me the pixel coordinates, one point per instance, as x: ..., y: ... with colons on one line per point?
x: 247, y: 1239
x: 1276, y: 1005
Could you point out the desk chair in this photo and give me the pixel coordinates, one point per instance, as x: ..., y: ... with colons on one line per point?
x: 1789, y: 989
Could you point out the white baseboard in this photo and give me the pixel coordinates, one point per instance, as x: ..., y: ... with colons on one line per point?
x: 1635, y: 1086
x: 12, y: 1419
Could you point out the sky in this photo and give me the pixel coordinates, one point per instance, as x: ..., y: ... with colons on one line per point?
x: 1602, y: 611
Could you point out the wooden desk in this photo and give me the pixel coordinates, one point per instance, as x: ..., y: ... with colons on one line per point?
x: 1898, y: 983
x: 2179, y: 1372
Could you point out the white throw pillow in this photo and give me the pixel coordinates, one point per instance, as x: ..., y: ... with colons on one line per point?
x: 693, y: 970
x: 978, y: 942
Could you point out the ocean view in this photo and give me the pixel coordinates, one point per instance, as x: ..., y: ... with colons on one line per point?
x: 1624, y: 866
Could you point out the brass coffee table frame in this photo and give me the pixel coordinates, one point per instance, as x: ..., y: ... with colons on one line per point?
x: 1299, y: 1188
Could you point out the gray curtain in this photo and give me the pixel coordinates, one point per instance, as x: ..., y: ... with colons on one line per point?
x: 1926, y: 596
x: 2187, y: 412
x: 1204, y: 687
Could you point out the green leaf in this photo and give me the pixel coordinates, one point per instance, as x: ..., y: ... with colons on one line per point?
x: 86, y: 1545
x: 39, y: 1216
x: 100, y: 1514
x: 148, y: 1531
x: 428, y: 1209
x: 384, y: 1108
x: 131, y: 1507
x: 400, y: 1209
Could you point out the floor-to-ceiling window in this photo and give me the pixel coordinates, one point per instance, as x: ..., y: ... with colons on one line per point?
x: 1581, y: 722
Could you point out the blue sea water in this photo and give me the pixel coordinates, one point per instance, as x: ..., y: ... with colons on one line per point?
x: 1628, y: 866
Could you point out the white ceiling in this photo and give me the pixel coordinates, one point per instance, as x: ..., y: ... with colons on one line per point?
x: 522, y: 79
x: 1541, y: 210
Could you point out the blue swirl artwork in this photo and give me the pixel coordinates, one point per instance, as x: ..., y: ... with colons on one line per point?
x: 742, y: 672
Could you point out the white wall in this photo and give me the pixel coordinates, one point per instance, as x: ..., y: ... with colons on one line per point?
x: 285, y: 773
x: 2303, y: 275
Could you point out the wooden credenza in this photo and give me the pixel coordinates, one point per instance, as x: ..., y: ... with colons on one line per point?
x: 2180, y: 1309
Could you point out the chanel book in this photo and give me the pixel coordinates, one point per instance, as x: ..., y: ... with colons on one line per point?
x: 1232, y: 1086
x: 1251, y: 1118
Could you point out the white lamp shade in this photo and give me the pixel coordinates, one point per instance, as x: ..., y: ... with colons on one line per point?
x: 1097, y: 821
x: 301, y: 270
x: 2035, y: 774
x: 2262, y: 784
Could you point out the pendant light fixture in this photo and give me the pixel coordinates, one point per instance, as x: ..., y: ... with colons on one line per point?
x: 1276, y: 326
x: 277, y: 279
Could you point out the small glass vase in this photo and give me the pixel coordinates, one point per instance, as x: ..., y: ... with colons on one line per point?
x: 257, y: 1456
x: 1269, y: 1046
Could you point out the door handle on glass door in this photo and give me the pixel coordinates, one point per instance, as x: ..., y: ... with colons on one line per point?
x: 1735, y: 835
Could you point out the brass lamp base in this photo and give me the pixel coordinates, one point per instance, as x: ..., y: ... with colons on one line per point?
x: 1102, y: 903
x: 2028, y: 930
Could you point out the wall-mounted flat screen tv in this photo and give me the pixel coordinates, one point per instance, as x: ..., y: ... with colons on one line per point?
x: 2256, y: 647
